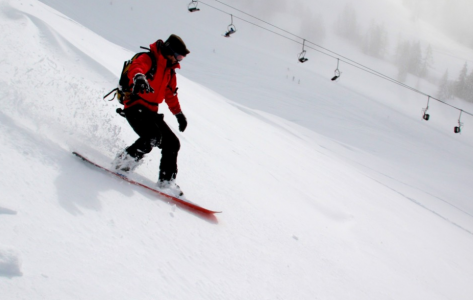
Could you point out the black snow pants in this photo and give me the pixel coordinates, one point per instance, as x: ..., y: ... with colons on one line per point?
x: 153, y: 132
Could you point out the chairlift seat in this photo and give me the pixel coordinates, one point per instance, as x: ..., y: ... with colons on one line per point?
x: 192, y: 7
x: 230, y: 30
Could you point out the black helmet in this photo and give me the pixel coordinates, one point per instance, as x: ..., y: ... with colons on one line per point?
x: 177, y: 45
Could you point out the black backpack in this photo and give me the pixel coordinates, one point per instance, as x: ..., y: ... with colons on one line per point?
x: 123, y: 91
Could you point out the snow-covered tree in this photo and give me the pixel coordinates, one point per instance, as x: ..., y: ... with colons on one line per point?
x: 415, y: 59
x: 469, y: 87
x: 409, y: 59
x: 375, y: 42
x: 445, y: 90
x: 460, y: 86
x: 347, y: 23
x: 427, y: 62
x: 401, y: 59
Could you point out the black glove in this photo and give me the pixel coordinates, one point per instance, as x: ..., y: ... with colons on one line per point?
x: 181, y: 119
x: 141, y: 85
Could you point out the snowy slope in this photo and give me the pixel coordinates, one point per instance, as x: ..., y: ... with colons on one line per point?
x: 260, y: 75
x: 350, y: 206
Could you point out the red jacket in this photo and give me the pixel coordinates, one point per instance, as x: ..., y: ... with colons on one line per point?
x: 164, y: 81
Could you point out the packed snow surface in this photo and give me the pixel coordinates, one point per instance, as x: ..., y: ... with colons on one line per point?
x: 328, y: 190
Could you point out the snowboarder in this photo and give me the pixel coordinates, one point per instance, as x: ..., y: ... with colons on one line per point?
x: 141, y: 110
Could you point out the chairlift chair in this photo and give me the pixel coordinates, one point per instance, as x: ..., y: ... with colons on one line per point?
x: 337, y: 75
x: 337, y: 71
x: 231, y: 29
x: 302, y: 57
x: 458, y: 128
x: 426, y: 116
x: 193, y: 6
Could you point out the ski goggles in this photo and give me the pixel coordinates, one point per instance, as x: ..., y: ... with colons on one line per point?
x: 176, y: 55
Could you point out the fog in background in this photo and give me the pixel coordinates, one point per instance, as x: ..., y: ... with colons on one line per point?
x: 423, y: 39
x: 450, y: 17
x: 453, y: 17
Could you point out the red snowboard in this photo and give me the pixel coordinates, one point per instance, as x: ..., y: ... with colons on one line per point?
x: 177, y: 201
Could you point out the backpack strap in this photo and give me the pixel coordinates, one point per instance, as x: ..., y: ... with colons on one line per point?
x: 124, y: 81
x: 123, y: 91
x: 154, y: 63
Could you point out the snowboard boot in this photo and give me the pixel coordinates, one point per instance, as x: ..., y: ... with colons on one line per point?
x: 124, y: 163
x: 170, y: 187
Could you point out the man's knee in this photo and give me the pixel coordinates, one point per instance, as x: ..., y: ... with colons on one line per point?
x: 176, y: 144
x: 171, y: 144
